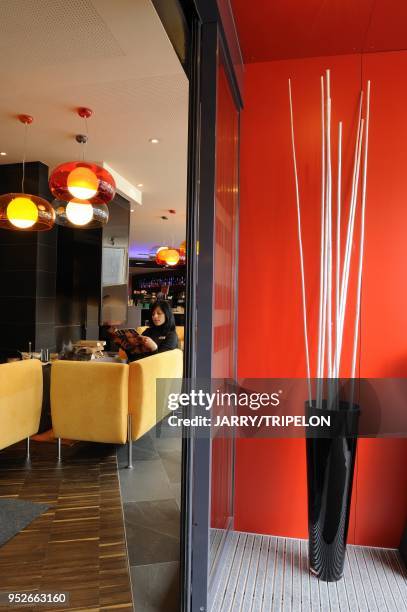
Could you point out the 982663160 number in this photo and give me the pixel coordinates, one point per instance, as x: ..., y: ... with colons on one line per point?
x: 25, y: 598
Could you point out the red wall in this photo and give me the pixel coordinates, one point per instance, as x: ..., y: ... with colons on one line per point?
x: 270, y: 474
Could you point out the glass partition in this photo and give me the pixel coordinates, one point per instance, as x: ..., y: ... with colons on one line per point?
x: 225, y: 286
x: 224, y: 348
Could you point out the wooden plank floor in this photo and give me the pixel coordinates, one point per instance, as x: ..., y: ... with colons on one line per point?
x: 78, y: 545
x: 266, y: 573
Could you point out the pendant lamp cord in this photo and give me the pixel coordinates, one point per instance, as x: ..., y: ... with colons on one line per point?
x: 87, y: 138
x: 24, y: 156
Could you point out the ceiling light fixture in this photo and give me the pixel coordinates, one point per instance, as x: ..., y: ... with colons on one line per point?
x: 140, y: 185
x: 80, y: 180
x: 154, y: 140
x: 158, y: 258
x: 3, y: 153
x: 167, y: 255
x: 83, y: 181
x: 24, y: 211
x: 80, y: 214
x: 82, y: 189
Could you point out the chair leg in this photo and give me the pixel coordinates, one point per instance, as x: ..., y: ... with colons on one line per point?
x: 59, y: 444
x: 129, y: 444
x: 27, y: 453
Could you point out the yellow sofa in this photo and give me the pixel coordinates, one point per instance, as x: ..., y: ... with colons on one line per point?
x: 20, y: 401
x: 180, y: 333
x: 112, y: 402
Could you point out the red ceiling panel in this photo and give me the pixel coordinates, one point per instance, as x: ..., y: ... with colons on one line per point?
x: 280, y: 29
x: 388, y: 27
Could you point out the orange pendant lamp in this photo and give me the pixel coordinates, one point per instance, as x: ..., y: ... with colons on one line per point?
x: 167, y: 255
x: 82, y: 181
x: 23, y: 211
x: 159, y: 260
x: 82, y: 189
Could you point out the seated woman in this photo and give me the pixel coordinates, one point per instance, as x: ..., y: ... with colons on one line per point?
x: 160, y: 337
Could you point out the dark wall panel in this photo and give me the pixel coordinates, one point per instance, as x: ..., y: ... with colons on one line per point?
x: 50, y: 282
x: 78, y: 284
x: 27, y: 269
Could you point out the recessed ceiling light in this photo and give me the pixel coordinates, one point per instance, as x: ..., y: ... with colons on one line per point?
x: 140, y: 185
x: 153, y: 140
x: 131, y: 209
x: 3, y: 153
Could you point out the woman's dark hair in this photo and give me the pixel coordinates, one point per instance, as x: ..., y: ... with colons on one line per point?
x: 169, y: 324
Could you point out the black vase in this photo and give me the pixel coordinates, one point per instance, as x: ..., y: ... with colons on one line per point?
x: 330, y: 466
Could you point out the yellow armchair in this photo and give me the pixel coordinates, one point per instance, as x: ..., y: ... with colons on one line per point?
x: 112, y: 402
x: 150, y: 381
x: 20, y: 401
x: 89, y: 401
x: 147, y: 399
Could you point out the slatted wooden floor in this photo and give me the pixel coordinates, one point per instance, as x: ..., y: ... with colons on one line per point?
x: 263, y: 573
x: 78, y: 545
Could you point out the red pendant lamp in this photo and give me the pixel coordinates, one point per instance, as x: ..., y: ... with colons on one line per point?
x: 82, y: 181
x: 167, y: 255
x: 159, y: 260
x: 23, y: 211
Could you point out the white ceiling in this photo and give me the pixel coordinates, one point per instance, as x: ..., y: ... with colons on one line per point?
x: 114, y: 57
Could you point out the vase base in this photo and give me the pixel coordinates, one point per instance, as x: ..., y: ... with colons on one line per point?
x: 325, y: 576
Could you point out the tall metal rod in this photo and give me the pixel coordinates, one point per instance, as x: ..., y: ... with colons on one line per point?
x: 362, y: 234
x: 320, y: 363
x: 349, y: 242
x: 329, y: 223
x: 27, y: 448
x: 349, y: 236
x: 338, y: 246
x: 59, y: 445
x: 297, y: 194
x: 325, y: 249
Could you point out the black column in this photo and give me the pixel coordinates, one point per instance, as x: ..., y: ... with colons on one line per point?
x: 78, y: 290
x: 27, y: 270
